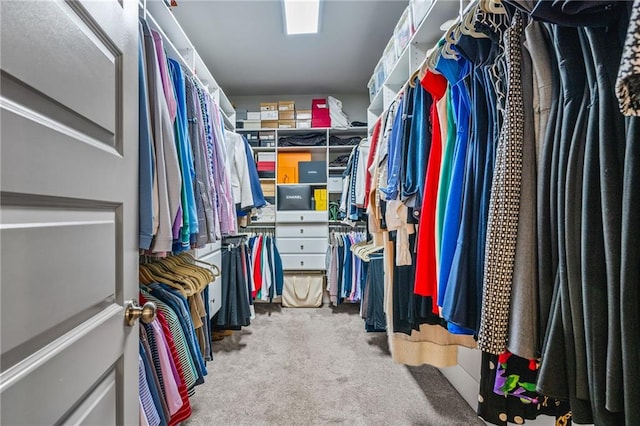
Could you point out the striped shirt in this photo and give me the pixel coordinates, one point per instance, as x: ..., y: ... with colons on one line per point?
x: 186, y: 361
x: 150, y: 412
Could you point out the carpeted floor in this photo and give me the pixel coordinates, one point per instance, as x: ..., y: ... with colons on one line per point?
x: 317, y: 367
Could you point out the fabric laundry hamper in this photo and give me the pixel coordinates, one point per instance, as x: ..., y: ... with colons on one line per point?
x: 302, y: 291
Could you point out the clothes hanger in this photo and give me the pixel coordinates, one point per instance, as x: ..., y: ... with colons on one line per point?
x: 144, y: 276
x: 178, y: 275
x: 193, y: 273
x: 172, y: 268
x: 214, y: 268
x: 162, y: 279
x: 433, y: 55
x: 493, y: 6
x: 413, y: 77
x: 449, y: 41
x: 467, y: 26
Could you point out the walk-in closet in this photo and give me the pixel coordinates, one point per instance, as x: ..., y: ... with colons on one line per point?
x: 316, y: 212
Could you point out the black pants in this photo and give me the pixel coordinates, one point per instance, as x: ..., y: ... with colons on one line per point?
x: 375, y: 319
x: 234, y: 311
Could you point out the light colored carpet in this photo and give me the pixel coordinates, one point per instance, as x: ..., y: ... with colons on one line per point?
x: 318, y: 367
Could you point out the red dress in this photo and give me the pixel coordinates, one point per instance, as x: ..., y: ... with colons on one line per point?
x: 426, y: 283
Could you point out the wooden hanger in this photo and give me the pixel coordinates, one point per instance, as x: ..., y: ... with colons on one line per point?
x: 214, y: 268
x: 160, y: 277
x: 200, y: 276
x: 169, y: 269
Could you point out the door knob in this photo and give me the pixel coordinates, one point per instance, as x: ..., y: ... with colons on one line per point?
x: 133, y: 311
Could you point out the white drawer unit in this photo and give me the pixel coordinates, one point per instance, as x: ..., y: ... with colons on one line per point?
x: 301, y: 231
x: 207, y: 249
x: 304, y: 216
x: 303, y: 262
x: 302, y: 245
x: 215, y: 287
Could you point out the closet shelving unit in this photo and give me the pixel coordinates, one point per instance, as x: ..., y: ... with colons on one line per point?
x: 179, y: 47
x: 427, y: 33
x: 303, y: 234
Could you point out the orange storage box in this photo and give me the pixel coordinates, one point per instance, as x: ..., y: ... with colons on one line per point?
x: 288, y: 165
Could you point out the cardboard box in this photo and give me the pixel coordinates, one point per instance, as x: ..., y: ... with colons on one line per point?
x: 251, y: 136
x: 303, y: 114
x: 287, y: 174
x: 268, y: 115
x: 287, y: 124
x: 334, y: 184
x: 303, y: 124
x: 321, y: 122
x: 286, y: 115
x: 320, y: 194
x: 253, y: 115
x: 321, y: 204
x: 268, y: 188
x: 286, y: 106
x: 267, y: 174
x: 294, y: 197
x: 252, y: 125
x: 266, y: 136
x: 266, y: 156
x: 312, y: 172
x: 319, y: 107
x: 320, y: 116
x: 269, y: 124
x: 266, y: 166
x: 268, y: 106
x: 288, y: 165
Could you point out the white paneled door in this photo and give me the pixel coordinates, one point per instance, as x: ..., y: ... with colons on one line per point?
x: 68, y: 206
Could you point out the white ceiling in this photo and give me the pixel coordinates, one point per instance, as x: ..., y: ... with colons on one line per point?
x: 244, y: 44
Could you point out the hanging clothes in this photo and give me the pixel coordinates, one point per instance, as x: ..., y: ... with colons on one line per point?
x: 193, y: 173
x: 346, y: 273
x: 175, y: 346
x: 266, y: 267
x: 525, y: 227
x: 235, y: 310
x: 372, y: 306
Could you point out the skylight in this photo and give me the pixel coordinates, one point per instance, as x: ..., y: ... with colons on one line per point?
x: 301, y: 16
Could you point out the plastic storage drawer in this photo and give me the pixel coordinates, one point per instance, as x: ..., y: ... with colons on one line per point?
x: 303, y: 262
x: 302, y: 231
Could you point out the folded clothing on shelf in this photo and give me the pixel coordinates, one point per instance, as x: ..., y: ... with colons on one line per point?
x: 337, y: 141
x: 338, y: 118
x: 310, y: 139
x: 340, y: 161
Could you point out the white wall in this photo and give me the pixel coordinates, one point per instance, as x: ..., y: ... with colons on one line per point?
x: 353, y: 104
